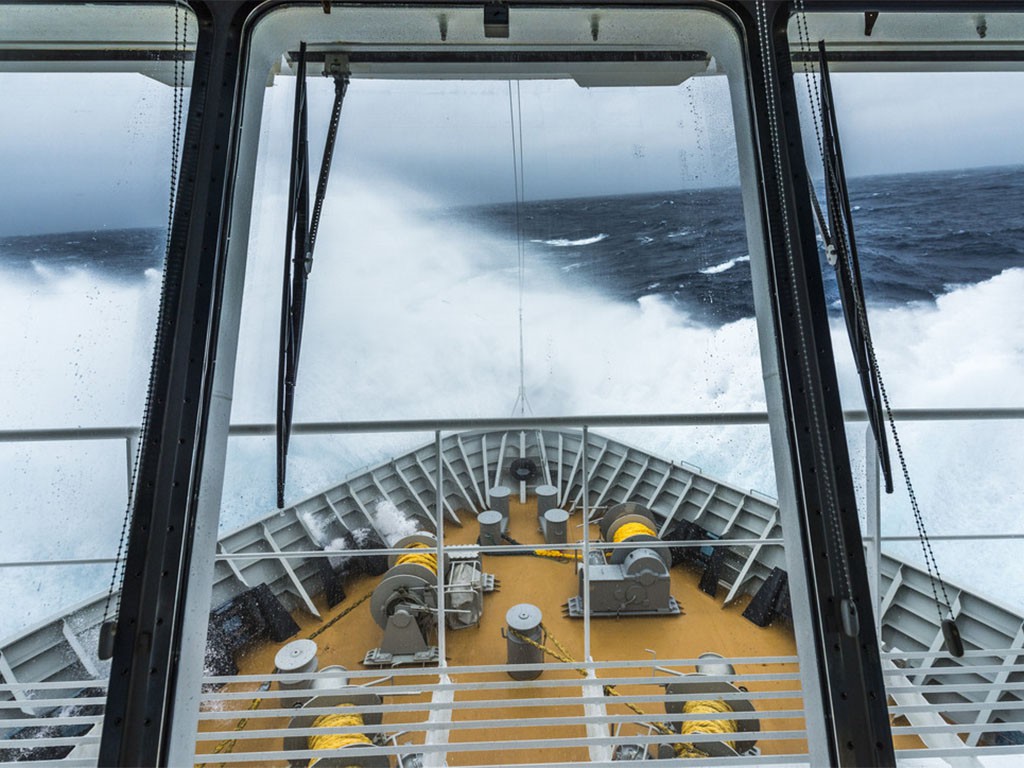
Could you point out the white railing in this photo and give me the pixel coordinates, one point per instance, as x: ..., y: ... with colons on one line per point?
x: 907, y: 682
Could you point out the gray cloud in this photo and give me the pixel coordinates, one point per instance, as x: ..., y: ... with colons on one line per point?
x: 92, y: 151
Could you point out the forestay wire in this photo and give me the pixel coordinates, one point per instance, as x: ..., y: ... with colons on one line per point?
x: 515, y: 111
x: 946, y: 617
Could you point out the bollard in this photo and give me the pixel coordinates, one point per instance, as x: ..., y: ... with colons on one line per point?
x: 297, y: 656
x: 490, y: 521
x: 526, y: 620
x: 499, y: 500
x: 713, y: 664
x: 547, y: 498
x: 554, y: 526
x: 330, y: 678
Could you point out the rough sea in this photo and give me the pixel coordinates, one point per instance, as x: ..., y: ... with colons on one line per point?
x: 631, y: 304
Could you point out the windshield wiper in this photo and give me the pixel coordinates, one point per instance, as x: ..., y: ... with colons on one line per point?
x: 298, y: 257
x: 841, y: 251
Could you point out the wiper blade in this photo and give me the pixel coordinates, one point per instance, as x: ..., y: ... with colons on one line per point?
x: 841, y: 248
x: 300, y: 241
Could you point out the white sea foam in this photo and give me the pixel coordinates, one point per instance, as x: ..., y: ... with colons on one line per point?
x: 564, y: 243
x: 391, y: 523
x: 725, y: 265
x: 407, y: 320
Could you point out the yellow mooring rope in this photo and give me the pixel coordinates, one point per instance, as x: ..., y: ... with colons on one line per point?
x: 632, y: 529
x: 427, y: 560
x: 557, y: 554
x: 609, y: 690
x: 689, y: 707
x: 334, y: 741
x: 705, y: 726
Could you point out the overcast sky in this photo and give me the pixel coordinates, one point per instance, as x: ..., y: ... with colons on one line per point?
x: 92, y: 151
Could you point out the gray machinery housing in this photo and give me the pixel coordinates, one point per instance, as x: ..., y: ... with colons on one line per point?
x: 404, y: 603
x: 465, y: 585
x: 630, y: 580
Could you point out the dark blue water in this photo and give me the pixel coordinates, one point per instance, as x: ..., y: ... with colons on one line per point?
x: 125, y: 253
x: 918, y: 235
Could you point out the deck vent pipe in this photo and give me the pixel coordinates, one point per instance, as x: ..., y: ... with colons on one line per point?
x: 524, y: 625
x: 298, y: 656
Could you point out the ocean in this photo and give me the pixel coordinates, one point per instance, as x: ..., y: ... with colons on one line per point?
x: 631, y: 304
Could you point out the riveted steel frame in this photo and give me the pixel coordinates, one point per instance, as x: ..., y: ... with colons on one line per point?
x: 144, y: 669
x: 853, y: 690
x: 145, y: 664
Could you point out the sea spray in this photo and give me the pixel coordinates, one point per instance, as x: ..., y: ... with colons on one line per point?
x: 388, y: 524
x: 392, y: 523
x: 407, y: 318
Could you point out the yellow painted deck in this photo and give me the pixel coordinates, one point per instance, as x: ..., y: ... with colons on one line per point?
x: 705, y: 626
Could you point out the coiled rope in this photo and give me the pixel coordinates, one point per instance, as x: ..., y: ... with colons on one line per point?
x: 628, y: 530
x: 427, y: 559
x: 689, y: 727
x: 227, y: 745
x: 335, y: 741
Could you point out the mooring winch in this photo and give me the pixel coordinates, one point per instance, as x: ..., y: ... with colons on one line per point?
x: 631, y: 580
x: 710, y: 714
x: 404, y: 603
x: 714, y: 717
x: 350, y: 710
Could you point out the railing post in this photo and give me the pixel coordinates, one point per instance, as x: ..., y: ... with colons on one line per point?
x: 129, y: 460
x: 586, y: 548
x: 441, y: 617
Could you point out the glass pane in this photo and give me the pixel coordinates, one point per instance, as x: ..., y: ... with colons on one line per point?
x: 511, y: 246
x: 83, y: 224
x: 936, y: 189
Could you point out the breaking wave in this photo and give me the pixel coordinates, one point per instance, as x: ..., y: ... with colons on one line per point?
x: 725, y: 265
x: 563, y: 243
x: 408, y: 320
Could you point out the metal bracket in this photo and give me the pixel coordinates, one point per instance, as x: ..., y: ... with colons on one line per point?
x: 336, y: 65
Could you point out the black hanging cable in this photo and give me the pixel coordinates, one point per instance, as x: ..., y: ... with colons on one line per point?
x: 298, y: 258
x: 848, y: 273
x: 108, y: 625
x: 831, y: 510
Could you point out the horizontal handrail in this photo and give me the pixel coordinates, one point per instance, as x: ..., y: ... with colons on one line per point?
x: 426, y: 726
x: 500, y: 746
x: 733, y: 418
x: 487, y: 669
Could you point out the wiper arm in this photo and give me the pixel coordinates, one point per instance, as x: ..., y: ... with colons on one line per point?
x: 300, y: 241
